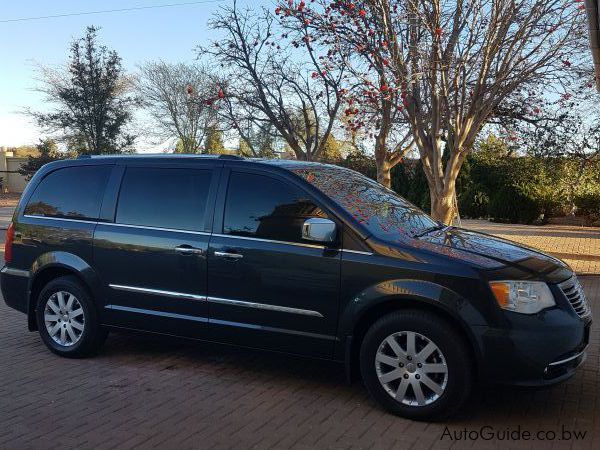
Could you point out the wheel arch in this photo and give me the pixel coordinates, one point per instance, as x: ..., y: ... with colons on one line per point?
x: 409, y: 294
x: 50, y: 266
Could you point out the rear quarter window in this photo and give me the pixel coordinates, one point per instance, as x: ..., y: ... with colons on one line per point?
x: 72, y: 193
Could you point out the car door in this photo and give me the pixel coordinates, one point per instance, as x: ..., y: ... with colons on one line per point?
x: 266, y: 286
x: 152, y: 256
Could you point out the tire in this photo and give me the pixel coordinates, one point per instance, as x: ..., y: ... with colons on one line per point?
x: 67, y: 320
x: 387, y: 375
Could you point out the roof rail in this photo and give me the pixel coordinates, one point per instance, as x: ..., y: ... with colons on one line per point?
x: 84, y: 156
x: 230, y: 157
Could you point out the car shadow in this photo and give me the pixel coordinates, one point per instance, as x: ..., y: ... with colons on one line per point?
x: 506, y: 405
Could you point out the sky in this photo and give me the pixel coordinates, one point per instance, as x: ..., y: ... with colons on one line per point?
x: 169, y: 33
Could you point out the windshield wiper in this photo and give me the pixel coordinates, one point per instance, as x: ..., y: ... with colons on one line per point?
x: 439, y: 226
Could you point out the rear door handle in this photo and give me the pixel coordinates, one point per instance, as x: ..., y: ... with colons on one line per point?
x: 228, y: 255
x: 188, y: 250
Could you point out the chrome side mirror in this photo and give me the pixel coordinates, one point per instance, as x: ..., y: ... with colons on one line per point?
x: 319, y: 230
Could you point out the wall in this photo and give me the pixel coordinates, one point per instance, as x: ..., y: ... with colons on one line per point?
x: 12, y: 180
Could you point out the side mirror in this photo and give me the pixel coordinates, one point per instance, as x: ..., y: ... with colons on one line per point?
x: 319, y: 230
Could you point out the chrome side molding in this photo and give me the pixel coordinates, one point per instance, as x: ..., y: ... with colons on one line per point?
x: 267, y: 307
x: 120, y: 287
x: 219, y: 300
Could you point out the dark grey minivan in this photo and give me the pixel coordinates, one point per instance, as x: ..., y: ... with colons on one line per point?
x: 289, y: 256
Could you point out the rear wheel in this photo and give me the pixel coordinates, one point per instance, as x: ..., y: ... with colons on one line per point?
x: 67, y: 319
x: 416, y: 365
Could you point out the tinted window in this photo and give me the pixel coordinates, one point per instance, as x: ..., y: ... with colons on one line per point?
x: 72, y: 192
x: 263, y: 207
x: 383, y: 212
x: 164, y: 198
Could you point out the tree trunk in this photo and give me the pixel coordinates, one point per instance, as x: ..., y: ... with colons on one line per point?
x: 384, y: 172
x: 443, y: 205
x: 442, y: 185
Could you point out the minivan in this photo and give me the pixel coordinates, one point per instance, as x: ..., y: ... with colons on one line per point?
x: 289, y: 256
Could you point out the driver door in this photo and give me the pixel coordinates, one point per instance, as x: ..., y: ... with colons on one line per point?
x: 267, y: 287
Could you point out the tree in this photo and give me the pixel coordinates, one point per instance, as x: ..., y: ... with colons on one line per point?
x: 455, y: 64
x: 370, y: 105
x: 214, y: 141
x: 333, y: 150
x: 570, y: 137
x: 258, y: 140
x: 179, y: 99
x: 263, y: 84
x: 25, y: 151
x: 47, y: 152
x: 93, y: 106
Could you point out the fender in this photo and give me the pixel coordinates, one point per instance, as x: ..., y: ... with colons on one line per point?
x: 398, y: 291
x: 402, y: 289
x: 60, y: 260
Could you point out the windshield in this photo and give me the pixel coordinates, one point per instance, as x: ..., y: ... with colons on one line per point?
x: 383, y: 212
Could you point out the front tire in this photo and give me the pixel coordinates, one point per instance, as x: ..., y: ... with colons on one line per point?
x: 416, y: 365
x: 67, y: 319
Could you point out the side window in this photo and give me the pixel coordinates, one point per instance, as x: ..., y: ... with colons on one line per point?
x: 263, y: 207
x: 164, y: 198
x: 73, y: 193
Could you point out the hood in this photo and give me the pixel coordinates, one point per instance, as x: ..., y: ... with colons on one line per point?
x: 503, y: 251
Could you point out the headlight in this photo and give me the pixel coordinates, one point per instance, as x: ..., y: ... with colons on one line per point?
x: 526, y: 297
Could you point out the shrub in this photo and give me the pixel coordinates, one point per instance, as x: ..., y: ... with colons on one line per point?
x: 589, y: 205
x: 494, y: 184
x: 473, y: 202
x: 510, y: 204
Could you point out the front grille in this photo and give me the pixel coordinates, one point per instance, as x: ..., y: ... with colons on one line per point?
x: 574, y: 293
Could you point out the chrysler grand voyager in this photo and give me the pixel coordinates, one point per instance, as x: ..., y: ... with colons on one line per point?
x: 289, y: 256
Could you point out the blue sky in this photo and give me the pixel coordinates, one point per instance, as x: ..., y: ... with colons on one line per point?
x: 163, y: 33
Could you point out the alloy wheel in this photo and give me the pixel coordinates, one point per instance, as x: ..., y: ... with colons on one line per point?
x: 411, y: 368
x: 64, y: 318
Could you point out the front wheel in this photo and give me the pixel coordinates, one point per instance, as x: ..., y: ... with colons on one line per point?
x: 67, y: 318
x: 416, y: 365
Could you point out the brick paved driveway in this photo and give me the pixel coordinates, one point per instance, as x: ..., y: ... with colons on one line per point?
x: 147, y: 393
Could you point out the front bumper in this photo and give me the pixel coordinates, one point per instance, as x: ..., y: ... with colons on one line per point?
x: 533, y: 350
x: 564, y: 368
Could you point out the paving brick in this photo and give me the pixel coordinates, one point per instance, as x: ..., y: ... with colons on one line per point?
x: 145, y: 392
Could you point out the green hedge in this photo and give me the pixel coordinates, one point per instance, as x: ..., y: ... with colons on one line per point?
x: 589, y: 205
x: 504, y: 188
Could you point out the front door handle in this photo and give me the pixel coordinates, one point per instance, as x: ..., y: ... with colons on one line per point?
x: 228, y: 255
x: 188, y: 250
